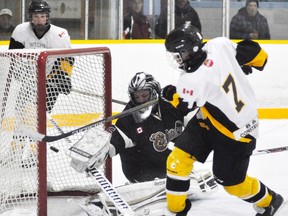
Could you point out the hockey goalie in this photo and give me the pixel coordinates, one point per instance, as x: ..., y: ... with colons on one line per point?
x: 146, y: 197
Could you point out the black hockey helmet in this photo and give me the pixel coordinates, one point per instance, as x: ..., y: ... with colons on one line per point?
x: 184, y: 44
x: 39, y: 6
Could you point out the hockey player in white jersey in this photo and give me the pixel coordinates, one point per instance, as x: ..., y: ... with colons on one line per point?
x: 38, y: 33
x: 141, y: 139
x: 213, y: 80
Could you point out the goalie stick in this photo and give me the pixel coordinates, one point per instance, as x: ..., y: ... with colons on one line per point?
x: 54, y: 123
x: 120, y: 204
x: 42, y: 137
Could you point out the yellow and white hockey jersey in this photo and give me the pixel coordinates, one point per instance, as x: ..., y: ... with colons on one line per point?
x: 221, y: 89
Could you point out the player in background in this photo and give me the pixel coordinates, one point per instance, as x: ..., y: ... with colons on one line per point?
x: 227, y: 120
x: 141, y: 140
x: 38, y: 33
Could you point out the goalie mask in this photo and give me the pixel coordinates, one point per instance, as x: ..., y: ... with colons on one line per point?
x: 39, y: 6
x: 184, y: 48
x: 143, y: 88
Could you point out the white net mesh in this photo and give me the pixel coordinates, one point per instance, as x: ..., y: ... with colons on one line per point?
x: 76, y: 90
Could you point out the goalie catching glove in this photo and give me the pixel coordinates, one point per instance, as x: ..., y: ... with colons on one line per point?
x: 169, y: 94
x: 90, y: 151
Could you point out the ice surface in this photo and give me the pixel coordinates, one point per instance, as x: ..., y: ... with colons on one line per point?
x: 271, y: 169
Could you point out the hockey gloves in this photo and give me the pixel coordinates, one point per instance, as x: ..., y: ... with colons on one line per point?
x: 60, y: 81
x: 246, y: 69
x: 170, y: 95
x: 249, y: 54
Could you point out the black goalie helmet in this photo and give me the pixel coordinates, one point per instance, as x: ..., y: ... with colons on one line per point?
x: 139, y: 83
x: 39, y: 6
x: 184, y: 48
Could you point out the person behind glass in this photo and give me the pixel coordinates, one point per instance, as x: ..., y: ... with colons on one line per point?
x: 136, y: 25
x: 248, y: 23
x: 6, y: 27
x: 183, y: 12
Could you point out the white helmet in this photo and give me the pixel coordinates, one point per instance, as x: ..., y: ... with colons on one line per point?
x: 143, y: 81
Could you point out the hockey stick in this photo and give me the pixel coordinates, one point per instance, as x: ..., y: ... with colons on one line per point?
x: 120, y: 204
x: 270, y: 150
x: 54, y: 123
x: 102, y: 182
x: 42, y: 137
x: 98, y: 96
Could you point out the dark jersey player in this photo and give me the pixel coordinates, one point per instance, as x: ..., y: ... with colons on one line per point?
x: 142, y: 138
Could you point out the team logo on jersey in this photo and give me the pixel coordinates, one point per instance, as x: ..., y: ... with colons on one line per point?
x: 160, y: 139
x: 208, y: 62
x: 187, y: 91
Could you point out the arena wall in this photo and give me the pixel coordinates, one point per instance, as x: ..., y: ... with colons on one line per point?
x: 129, y: 57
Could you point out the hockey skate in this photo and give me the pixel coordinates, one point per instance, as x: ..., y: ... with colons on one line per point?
x: 274, y: 207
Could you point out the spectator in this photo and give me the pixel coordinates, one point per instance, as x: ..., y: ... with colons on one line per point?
x: 183, y: 12
x: 136, y: 25
x: 6, y: 27
x: 248, y: 23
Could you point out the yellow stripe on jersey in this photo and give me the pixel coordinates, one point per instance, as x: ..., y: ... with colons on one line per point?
x: 221, y: 128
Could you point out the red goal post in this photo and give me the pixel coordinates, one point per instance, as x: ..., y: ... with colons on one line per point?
x: 30, y: 170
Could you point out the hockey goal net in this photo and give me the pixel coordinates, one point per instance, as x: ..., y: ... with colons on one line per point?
x: 78, y: 93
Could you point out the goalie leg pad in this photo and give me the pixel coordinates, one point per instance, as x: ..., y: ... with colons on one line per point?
x: 149, y: 198
x: 202, y: 185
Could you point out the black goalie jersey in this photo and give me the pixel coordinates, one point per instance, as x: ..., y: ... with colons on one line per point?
x: 143, y: 147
